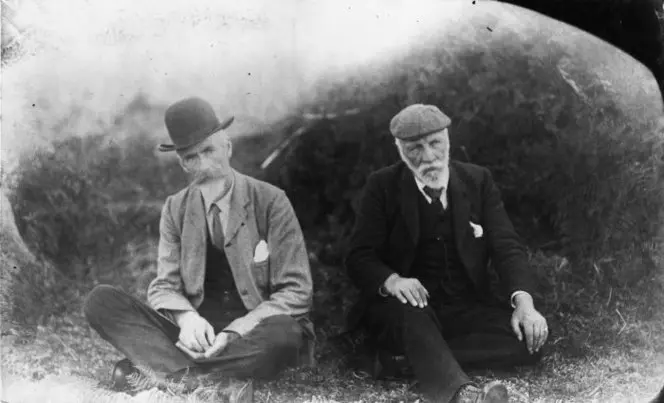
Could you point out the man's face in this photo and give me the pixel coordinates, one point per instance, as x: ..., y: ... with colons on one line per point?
x: 209, y: 159
x: 427, y: 157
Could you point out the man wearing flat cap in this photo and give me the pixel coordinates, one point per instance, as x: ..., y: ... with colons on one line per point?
x: 425, y: 232
x: 233, y: 288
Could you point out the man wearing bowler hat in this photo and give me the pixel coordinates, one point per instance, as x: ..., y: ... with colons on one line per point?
x: 424, y: 234
x: 233, y: 287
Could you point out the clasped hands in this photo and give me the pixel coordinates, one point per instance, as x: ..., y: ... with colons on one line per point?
x: 527, y: 323
x: 197, y: 338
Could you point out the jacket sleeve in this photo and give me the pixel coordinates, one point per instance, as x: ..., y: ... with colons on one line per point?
x: 506, y: 249
x: 166, y: 291
x: 370, y: 233
x: 290, y: 275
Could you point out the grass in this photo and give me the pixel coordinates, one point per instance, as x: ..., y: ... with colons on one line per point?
x: 63, y: 360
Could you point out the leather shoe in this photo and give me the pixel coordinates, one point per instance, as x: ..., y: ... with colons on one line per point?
x: 122, y: 370
x: 492, y: 392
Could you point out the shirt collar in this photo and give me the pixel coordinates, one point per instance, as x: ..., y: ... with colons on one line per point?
x: 223, y: 203
x: 446, y: 180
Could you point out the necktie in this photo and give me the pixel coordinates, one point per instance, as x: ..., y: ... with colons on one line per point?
x: 217, y: 229
x: 434, y: 194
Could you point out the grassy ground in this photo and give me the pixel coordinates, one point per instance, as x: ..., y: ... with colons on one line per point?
x: 64, y: 361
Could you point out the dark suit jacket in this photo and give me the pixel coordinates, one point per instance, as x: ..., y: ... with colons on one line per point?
x: 386, y: 231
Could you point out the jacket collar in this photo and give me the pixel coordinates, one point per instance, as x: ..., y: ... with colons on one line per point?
x: 457, y: 194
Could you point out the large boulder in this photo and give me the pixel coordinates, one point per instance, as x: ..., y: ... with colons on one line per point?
x: 23, y: 278
x: 10, y: 238
x: 631, y: 25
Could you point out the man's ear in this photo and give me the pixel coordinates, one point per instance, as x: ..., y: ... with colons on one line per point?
x: 230, y: 148
x: 181, y: 162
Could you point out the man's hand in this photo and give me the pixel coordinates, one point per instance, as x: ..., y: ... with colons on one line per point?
x: 192, y: 354
x: 407, y: 290
x: 196, y: 333
x: 220, y: 343
x: 528, y: 323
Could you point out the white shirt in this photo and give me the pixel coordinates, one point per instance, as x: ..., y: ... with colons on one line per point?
x: 224, y: 205
x: 443, y: 195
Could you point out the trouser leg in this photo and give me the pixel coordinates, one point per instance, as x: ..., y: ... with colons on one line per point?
x: 147, y: 338
x: 265, y: 351
x: 143, y: 335
x: 416, y: 333
x: 482, y: 337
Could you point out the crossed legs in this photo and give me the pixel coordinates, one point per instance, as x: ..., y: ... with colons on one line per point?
x: 147, y: 338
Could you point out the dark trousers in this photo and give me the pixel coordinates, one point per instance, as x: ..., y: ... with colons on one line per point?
x: 441, y: 341
x: 148, y: 339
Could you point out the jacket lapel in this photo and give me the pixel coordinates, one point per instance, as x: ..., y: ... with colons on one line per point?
x: 237, y: 214
x: 239, y: 243
x: 194, y: 239
x: 409, y: 206
x: 460, y: 206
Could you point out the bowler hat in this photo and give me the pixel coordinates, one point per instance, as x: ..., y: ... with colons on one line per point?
x: 418, y: 120
x: 190, y: 121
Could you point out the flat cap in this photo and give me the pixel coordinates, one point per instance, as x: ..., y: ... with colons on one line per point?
x: 418, y: 120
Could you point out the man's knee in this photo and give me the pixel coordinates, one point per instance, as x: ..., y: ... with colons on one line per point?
x: 391, y: 322
x: 393, y: 313
x: 285, y: 333
x: 100, y: 303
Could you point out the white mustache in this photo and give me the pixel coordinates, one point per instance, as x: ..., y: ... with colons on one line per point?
x: 435, y: 167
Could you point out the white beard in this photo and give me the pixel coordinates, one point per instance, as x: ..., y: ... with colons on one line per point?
x: 434, y: 178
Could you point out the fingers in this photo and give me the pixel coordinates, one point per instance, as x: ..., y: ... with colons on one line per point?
x: 219, y: 345
x: 412, y: 297
x: 188, y: 339
x: 423, y: 293
x: 401, y: 296
x: 538, y: 331
x: 543, y: 335
x: 426, y: 292
x: 529, y: 330
x: 192, y: 354
x: 197, y: 335
x: 423, y: 296
x: 200, y: 335
x: 516, y: 328
x: 411, y: 291
x: 419, y: 295
x: 209, y: 334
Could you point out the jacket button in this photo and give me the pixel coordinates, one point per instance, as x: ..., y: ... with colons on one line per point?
x: 244, y: 292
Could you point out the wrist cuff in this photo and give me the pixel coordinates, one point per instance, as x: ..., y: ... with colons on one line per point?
x: 382, y: 291
x: 514, y: 295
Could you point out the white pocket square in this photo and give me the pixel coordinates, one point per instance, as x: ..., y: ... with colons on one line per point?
x: 261, y: 253
x: 478, y: 231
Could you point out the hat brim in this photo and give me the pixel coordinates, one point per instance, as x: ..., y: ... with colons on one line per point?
x: 422, y: 135
x: 172, y: 147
